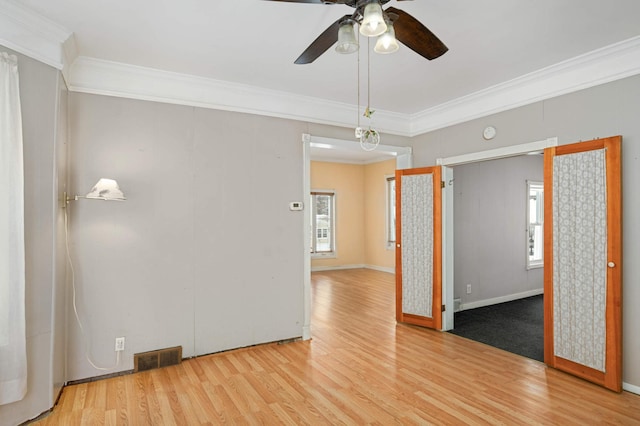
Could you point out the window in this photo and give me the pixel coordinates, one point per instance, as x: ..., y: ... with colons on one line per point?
x: 323, y: 223
x: 391, y: 212
x: 535, y: 221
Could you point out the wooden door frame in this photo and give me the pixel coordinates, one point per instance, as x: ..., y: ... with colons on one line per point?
x: 612, y: 379
x: 436, y: 306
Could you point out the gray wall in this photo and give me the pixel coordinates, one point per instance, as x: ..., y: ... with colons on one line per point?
x: 606, y: 110
x: 489, y: 228
x: 41, y: 90
x: 205, y: 252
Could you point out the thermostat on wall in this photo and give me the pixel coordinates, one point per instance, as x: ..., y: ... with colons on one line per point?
x: 295, y: 205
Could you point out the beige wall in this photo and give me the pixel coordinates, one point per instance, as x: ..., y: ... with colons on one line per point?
x: 347, y: 180
x: 375, y: 236
x: 360, y: 210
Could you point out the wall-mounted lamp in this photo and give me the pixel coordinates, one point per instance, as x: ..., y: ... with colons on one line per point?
x: 105, y: 189
x: 108, y: 190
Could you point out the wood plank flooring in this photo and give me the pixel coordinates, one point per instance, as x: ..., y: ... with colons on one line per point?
x: 359, y: 368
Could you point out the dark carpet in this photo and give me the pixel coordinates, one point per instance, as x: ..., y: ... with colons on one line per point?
x: 515, y: 326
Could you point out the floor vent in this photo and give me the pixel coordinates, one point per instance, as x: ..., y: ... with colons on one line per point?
x: 156, y: 359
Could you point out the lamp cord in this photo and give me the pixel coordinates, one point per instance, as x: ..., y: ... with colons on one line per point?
x: 75, y: 308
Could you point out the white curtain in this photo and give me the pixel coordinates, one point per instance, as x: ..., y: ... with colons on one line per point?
x: 13, y: 354
x: 417, y: 244
x: 580, y: 257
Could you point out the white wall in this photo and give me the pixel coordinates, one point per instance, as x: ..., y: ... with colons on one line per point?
x: 606, y: 110
x: 205, y: 252
x: 41, y: 90
x: 489, y: 234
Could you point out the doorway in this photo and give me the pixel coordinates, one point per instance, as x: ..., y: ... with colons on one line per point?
x: 448, y: 218
x: 336, y: 149
x: 498, y: 272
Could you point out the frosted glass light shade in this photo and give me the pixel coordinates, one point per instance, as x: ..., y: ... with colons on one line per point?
x: 387, y: 42
x: 106, y: 189
x: 372, y: 22
x: 347, y: 41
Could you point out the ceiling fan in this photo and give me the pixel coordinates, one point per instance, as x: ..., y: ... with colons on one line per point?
x: 388, y: 25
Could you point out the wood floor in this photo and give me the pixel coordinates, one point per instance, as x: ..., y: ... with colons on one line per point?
x: 359, y: 368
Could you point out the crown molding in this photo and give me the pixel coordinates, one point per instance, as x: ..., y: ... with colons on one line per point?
x: 33, y: 35
x: 96, y: 76
x: 597, y: 67
x: 601, y: 66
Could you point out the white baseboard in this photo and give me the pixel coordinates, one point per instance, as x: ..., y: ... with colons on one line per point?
x: 359, y: 266
x: 501, y: 299
x: 335, y: 268
x: 306, y: 333
x: 631, y: 388
x: 381, y: 268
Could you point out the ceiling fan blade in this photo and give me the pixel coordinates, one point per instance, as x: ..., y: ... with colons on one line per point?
x: 416, y: 36
x: 322, y: 43
x: 312, y: 1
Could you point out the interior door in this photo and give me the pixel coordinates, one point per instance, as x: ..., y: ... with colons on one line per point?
x: 419, y: 247
x: 583, y: 260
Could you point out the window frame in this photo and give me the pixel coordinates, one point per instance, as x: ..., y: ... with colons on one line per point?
x: 331, y: 230
x: 390, y: 212
x: 534, y: 263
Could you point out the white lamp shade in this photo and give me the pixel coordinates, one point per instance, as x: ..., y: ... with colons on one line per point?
x: 372, y: 22
x: 347, y: 41
x: 387, y: 42
x: 106, y: 189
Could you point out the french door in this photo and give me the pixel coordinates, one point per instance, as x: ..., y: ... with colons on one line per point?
x: 419, y: 247
x: 583, y: 256
x: 583, y: 260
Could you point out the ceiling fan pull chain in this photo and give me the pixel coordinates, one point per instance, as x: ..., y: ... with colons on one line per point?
x: 358, y: 129
x: 370, y: 138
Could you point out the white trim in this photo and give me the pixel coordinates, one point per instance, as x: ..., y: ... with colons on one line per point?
x: 306, y: 238
x: 33, y: 35
x: 386, y: 151
x: 610, y: 63
x: 601, y: 66
x: 494, y: 154
x: 336, y: 268
x: 390, y: 270
x: 447, y: 249
x: 448, y: 222
x: 355, y: 266
x: 501, y: 299
x: 96, y: 76
x: 631, y: 388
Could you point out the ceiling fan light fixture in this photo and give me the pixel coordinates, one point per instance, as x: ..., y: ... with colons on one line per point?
x: 372, y: 22
x: 387, y: 42
x: 347, y: 41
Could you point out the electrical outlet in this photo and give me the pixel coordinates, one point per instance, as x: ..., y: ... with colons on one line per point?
x: 119, y: 344
x: 468, y: 288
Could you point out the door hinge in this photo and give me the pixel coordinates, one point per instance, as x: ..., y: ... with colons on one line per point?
x: 444, y: 308
x: 441, y: 184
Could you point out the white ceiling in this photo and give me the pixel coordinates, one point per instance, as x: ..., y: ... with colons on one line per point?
x: 254, y: 43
